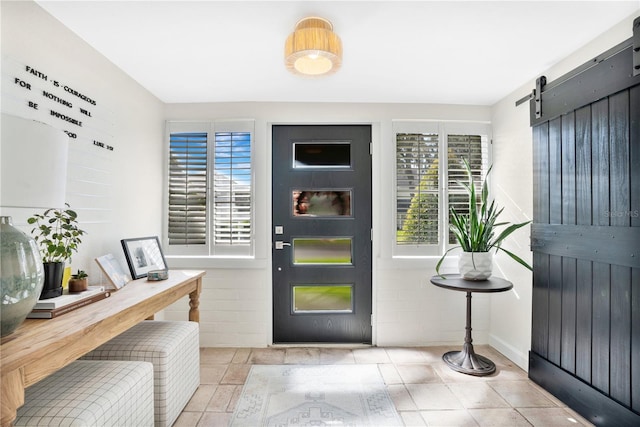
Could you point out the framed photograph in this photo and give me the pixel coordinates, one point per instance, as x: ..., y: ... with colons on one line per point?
x: 143, y: 255
x: 112, y: 268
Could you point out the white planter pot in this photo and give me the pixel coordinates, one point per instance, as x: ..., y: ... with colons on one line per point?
x: 475, y: 265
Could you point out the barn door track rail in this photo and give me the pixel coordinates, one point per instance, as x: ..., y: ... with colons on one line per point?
x: 616, y: 69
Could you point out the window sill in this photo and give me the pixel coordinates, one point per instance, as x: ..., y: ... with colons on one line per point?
x: 449, y: 264
x: 218, y: 262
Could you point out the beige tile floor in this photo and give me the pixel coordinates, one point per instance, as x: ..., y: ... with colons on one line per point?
x: 424, y: 390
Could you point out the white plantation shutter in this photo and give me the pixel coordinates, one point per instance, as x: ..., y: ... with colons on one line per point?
x: 473, y: 149
x: 187, y: 188
x: 210, y: 199
x: 232, y: 188
x: 417, y: 188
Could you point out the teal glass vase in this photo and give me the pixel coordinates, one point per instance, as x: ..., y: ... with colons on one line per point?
x: 21, y: 275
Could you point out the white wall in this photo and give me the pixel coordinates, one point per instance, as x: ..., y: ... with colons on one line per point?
x: 118, y: 193
x: 235, y: 307
x: 510, y: 324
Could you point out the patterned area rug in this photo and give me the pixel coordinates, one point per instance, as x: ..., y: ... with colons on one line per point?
x: 315, y: 395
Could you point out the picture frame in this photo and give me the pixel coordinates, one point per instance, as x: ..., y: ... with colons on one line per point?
x: 112, y: 268
x: 143, y: 255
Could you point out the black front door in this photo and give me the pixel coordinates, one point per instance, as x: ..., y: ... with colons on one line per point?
x: 321, y: 234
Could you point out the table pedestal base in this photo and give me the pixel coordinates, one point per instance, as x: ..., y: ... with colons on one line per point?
x: 468, y: 362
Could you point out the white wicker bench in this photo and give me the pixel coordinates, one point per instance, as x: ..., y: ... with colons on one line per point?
x: 91, y: 393
x: 174, y: 349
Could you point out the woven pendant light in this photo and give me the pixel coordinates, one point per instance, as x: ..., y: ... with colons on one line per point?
x: 313, y: 49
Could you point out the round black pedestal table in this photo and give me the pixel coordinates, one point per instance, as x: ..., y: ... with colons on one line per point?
x: 466, y: 360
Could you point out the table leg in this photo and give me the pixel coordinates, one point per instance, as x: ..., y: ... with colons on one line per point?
x: 467, y: 361
x: 12, y: 397
x: 194, y: 303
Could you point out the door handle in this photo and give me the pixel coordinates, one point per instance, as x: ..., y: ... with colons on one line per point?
x: 280, y: 244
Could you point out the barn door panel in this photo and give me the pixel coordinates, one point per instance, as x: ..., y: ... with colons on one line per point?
x: 586, y: 239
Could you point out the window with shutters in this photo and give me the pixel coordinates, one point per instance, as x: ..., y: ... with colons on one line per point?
x: 418, y: 188
x: 210, y: 203
x: 429, y: 172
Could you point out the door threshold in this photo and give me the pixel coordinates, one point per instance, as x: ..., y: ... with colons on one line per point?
x: 320, y: 345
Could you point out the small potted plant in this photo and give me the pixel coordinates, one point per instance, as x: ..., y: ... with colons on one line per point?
x: 476, y: 234
x: 57, y: 233
x: 79, y: 282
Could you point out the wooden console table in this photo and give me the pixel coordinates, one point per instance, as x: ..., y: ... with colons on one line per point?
x: 466, y: 360
x: 40, y: 347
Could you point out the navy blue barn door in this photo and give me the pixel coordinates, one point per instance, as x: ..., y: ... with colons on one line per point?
x: 586, y: 239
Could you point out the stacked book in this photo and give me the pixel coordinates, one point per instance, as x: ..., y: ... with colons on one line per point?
x: 53, y: 307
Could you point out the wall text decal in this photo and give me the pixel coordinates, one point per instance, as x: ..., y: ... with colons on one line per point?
x: 36, y: 94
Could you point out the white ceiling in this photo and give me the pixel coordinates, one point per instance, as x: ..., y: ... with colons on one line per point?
x: 394, y: 51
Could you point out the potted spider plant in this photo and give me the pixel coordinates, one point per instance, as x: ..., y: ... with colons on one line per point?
x: 477, y: 233
x: 57, y: 233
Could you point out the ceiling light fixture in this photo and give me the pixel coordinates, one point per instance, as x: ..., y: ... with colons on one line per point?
x: 313, y: 49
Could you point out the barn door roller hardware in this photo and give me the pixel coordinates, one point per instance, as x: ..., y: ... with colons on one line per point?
x: 615, y: 70
x: 536, y: 95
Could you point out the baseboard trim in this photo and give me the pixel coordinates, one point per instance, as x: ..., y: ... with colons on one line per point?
x: 519, y: 358
x: 593, y: 405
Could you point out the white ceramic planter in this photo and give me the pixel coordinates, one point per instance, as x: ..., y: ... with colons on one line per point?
x: 475, y: 265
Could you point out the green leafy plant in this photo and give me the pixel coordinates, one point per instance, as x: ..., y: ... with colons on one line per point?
x: 57, y: 233
x: 476, y: 231
x: 81, y: 274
